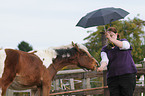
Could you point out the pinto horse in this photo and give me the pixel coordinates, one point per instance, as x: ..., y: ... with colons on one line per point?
x: 22, y: 70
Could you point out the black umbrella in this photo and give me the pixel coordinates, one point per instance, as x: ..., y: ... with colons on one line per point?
x: 102, y: 17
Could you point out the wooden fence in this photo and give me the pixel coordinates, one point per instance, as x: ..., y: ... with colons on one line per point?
x: 85, y: 86
x: 81, y: 83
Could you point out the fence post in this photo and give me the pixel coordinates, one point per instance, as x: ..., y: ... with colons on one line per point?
x: 106, y: 90
x: 72, y: 87
x: 56, y: 84
x: 9, y: 92
x: 84, y: 83
x: 88, y: 83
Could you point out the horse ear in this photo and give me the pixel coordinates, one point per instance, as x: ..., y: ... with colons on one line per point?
x: 76, y: 46
x: 73, y: 44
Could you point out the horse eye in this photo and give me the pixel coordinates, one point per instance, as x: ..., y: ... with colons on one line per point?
x: 86, y: 54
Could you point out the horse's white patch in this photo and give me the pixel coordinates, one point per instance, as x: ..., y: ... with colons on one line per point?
x: 63, y: 56
x: 2, y: 59
x: 46, y: 56
x: 68, y: 55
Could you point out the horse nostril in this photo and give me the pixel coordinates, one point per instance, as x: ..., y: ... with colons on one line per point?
x: 94, y: 68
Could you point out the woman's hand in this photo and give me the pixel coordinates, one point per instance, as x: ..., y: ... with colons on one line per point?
x: 111, y: 35
x: 107, y: 35
x: 102, y: 67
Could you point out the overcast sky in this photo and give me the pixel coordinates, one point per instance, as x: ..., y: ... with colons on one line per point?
x: 47, y: 23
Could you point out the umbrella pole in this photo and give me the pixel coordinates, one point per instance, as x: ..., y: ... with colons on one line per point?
x: 104, y: 28
x: 103, y: 37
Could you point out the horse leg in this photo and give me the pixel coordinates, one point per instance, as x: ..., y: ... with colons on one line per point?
x: 46, y: 88
x: 5, y: 86
x: 6, y: 80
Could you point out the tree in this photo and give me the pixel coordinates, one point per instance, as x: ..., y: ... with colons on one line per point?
x: 24, y: 46
x: 132, y: 30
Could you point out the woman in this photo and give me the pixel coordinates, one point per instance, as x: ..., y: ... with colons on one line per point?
x: 121, y: 70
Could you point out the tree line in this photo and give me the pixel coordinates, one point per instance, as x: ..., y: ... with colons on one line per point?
x: 131, y: 29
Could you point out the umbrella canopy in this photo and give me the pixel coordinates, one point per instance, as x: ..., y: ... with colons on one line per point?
x: 102, y: 17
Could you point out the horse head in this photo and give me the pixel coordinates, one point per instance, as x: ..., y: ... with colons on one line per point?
x: 84, y: 58
x: 75, y: 54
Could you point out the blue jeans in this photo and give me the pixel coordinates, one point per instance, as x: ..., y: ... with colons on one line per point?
x: 122, y: 85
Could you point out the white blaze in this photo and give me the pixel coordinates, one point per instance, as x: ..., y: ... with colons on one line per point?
x: 2, y: 60
x: 46, y: 56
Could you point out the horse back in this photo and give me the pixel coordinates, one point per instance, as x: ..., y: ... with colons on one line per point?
x: 22, y: 63
x: 27, y: 67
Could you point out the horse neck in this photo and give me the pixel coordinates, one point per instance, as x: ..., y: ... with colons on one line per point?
x: 55, y: 67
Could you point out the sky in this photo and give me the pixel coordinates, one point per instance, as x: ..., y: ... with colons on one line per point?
x: 50, y: 23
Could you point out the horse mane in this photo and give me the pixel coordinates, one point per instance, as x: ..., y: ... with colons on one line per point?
x: 49, y: 54
x: 69, y: 50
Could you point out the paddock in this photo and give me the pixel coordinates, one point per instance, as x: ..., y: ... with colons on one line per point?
x: 60, y: 88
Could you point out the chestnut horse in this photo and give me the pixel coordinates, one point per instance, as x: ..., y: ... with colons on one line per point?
x: 22, y: 70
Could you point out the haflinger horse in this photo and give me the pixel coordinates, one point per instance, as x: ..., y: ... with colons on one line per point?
x: 23, y: 70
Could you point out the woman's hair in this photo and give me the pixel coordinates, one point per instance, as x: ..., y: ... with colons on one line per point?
x: 113, y: 29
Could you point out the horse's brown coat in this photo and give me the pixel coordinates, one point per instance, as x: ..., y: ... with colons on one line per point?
x: 26, y: 70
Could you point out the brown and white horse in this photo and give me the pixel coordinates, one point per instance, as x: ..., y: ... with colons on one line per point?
x: 22, y: 70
